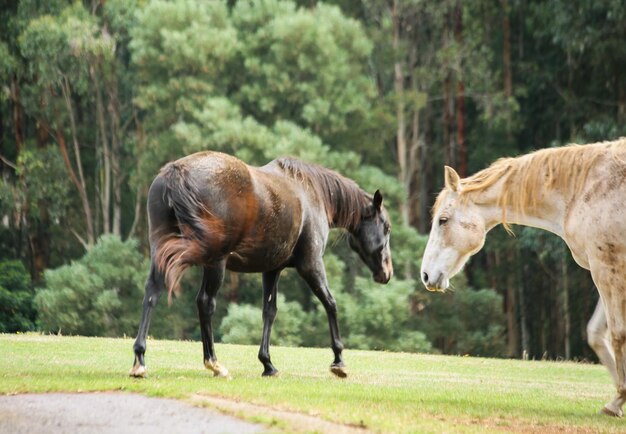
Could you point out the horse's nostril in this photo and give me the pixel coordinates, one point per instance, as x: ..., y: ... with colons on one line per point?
x: 425, y: 276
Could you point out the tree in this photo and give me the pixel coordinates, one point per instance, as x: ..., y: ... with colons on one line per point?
x: 16, y: 295
x: 98, y: 295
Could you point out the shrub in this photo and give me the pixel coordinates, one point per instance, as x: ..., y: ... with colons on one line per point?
x: 16, y: 298
x: 97, y: 295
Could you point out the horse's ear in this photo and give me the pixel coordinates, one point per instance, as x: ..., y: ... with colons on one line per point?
x: 378, y: 200
x: 452, y: 179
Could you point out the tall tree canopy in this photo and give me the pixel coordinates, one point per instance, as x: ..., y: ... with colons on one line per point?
x: 95, y: 96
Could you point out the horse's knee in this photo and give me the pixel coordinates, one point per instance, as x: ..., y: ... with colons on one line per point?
x: 152, y: 289
x: 596, y: 339
x: 331, y: 305
x: 206, y: 305
x: 269, y: 312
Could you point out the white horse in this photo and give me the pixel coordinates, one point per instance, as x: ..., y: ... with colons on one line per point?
x: 576, y: 192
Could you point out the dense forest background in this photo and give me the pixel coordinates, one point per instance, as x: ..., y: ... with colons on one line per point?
x: 96, y: 95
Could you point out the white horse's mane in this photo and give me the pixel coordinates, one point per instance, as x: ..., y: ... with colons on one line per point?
x: 564, y: 169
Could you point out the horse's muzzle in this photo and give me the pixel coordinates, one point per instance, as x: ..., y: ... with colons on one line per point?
x: 438, y: 285
x: 383, y: 276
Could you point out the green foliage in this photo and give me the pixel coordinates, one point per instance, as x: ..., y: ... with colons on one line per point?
x: 179, y: 51
x: 316, y: 80
x: 16, y: 298
x: 303, y: 65
x: 244, y: 325
x: 7, y: 66
x: 47, y: 187
x: 97, y: 295
x: 465, y: 321
x: 408, y: 247
x: 377, y: 317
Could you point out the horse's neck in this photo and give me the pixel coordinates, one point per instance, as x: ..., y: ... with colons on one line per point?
x: 344, y: 208
x: 548, y: 212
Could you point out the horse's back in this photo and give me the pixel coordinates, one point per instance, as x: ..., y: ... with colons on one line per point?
x: 257, y: 211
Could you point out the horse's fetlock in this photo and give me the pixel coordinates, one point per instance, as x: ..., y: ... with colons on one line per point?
x: 139, y: 348
x: 264, y: 357
x: 337, y: 347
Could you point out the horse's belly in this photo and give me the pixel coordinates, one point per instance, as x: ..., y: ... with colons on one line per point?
x: 260, y: 260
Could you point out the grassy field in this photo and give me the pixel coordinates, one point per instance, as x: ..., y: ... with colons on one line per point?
x: 385, y: 392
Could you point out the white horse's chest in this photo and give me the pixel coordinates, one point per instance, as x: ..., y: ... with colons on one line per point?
x: 596, y: 231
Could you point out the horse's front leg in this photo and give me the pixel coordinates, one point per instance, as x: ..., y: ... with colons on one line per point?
x: 270, y: 282
x: 154, y: 286
x: 315, y: 276
x: 211, y: 282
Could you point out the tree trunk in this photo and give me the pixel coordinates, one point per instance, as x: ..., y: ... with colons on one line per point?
x: 565, y: 306
x: 506, y: 57
x: 523, y: 321
x: 401, y: 140
x: 39, y: 237
x: 621, y: 99
x: 413, y: 157
x: 448, y: 139
x: 460, y: 97
x: 116, y: 149
x: 140, y: 135
x: 511, y: 313
x: 18, y: 115
x: 19, y: 214
x: 79, y: 181
x: 39, y: 242
x: 105, y: 196
x: 423, y: 187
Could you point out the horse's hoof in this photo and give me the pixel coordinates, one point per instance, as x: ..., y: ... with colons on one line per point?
x: 339, y: 371
x: 218, y: 370
x: 612, y: 411
x: 271, y: 373
x: 138, y: 371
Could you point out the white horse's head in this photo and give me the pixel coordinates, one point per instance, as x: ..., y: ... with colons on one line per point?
x: 458, y: 231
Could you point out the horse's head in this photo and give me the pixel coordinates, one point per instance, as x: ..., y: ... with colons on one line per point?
x: 370, y: 239
x: 458, y: 231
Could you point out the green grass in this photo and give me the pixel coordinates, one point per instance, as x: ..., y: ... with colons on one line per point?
x: 385, y: 392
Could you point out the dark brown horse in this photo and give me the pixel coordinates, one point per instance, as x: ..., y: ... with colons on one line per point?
x: 213, y: 210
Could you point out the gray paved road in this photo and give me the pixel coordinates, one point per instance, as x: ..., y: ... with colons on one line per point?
x: 107, y: 413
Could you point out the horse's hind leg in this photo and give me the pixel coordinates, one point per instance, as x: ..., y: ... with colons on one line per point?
x: 211, y: 282
x: 154, y: 286
x: 598, y: 339
x: 270, y: 282
x: 617, y: 330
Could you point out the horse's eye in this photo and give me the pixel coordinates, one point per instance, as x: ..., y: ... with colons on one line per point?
x: 443, y: 221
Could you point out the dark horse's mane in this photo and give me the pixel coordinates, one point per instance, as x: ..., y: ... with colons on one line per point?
x: 345, y: 202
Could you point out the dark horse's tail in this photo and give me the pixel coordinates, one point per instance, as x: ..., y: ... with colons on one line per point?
x: 198, y: 230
